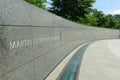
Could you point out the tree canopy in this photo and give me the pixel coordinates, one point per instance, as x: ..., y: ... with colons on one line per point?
x: 99, y: 19
x: 71, y: 9
x: 38, y: 3
x: 80, y: 11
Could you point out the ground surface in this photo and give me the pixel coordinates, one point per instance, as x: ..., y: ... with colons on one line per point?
x: 101, y: 61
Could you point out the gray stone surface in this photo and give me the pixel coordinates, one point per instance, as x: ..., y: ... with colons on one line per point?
x: 34, y: 41
x: 101, y: 61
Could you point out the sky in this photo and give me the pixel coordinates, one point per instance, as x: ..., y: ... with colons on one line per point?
x: 108, y: 6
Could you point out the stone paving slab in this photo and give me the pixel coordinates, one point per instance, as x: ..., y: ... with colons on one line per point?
x: 101, y: 61
x: 57, y: 71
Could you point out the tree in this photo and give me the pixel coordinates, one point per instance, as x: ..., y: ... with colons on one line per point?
x: 109, y: 21
x: 90, y: 20
x: 94, y: 18
x: 100, y: 17
x: 71, y: 9
x: 38, y: 3
x: 117, y: 20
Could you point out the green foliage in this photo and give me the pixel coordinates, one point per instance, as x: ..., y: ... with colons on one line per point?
x: 98, y: 18
x: 71, y: 9
x: 109, y: 21
x: 91, y: 20
x: 38, y: 3
x: 117, y: 20
x: 80, y: 11
x: 94, y: 18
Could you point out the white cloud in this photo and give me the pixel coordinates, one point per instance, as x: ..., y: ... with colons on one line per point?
x: 115, y: 12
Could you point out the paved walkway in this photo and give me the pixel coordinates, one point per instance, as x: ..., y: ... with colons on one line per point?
x: 60, y: 68
x: 101, y: 61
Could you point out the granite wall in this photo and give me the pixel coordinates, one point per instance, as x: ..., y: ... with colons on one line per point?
x: 34, y: 41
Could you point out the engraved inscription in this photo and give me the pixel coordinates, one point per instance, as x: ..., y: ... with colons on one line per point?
x: 29, y: 42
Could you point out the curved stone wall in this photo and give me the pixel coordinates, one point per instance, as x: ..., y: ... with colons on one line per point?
x: 33, y: 41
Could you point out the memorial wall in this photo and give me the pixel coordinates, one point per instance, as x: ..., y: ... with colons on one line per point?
x: 34, y: 41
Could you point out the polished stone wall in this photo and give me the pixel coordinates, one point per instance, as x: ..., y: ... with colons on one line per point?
x: 34, y: 41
